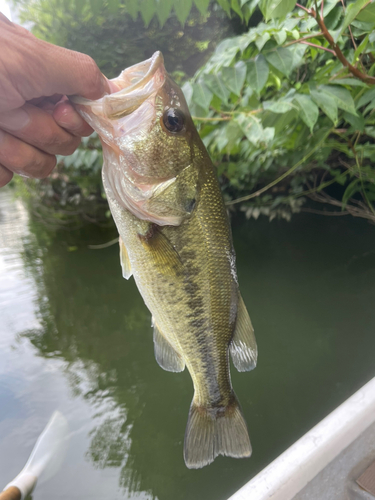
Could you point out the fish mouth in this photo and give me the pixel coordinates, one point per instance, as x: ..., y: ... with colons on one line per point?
x: 136, y: 83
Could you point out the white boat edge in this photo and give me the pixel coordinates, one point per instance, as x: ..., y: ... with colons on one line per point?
x: 283, y: 478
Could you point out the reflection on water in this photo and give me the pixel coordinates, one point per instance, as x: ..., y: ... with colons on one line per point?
x: 76, y: 336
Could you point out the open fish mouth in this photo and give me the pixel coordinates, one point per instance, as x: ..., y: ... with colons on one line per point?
x: 136, y: 83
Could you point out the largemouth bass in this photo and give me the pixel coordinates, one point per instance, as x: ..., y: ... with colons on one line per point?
x: 175, y: 239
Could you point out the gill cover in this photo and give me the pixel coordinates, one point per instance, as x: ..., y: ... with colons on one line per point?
x: 148, y: 143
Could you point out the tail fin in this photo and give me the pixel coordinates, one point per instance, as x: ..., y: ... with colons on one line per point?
x: 212, y: 432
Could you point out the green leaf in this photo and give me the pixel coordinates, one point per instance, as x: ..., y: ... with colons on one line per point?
x: 357, y: 122
x: 247, y: 13
x: 225, y: 5
x: 309, y: 111
x: 297, y: 51
x: 353, y: 82
x: 202, y: 5
x: 367, y: 97
x: 226, y: 51
x: 328, y: 6
x: 361, y: 48
x: 280, y: 37
x: 202, y: 95
x: 257, y: 73
x: 326, y: 104
x: 234, y: 78
x: 163, y: 11
x: 216, y: 84
x: 236, y: 7
x: 231, y: 135
x: 182, y: 9
x: 367, y: 15
x: 272, y: 9
x: 351, y: 13
x: 147, y: 9
x: 132, y: 8
x: 278, y: 106
x: 362, y: 27
x: 262, y: 40
x: 341, y: 96
x: 268, y: 134
x: 251, y: 127
x: 281, y: 59
x: 188, y: 90
x: 349, y: 191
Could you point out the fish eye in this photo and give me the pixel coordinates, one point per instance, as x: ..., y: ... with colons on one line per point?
x: 174, y: 120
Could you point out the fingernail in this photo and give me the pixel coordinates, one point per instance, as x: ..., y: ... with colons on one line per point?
x: 14, y: 120
x: 69, y: 119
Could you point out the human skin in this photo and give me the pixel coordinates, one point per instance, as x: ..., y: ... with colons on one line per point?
x: 37, y: 122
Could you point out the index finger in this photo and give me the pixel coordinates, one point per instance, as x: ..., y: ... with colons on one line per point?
x: 72, y: 73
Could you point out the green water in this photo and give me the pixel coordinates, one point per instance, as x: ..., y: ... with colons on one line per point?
x: 75, y: 336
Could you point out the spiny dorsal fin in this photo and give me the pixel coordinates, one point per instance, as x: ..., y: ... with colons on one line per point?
x: 165, y: 355
x: 124, y: 259
x: 243, y: 347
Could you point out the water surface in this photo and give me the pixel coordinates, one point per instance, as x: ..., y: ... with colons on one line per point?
x: 75, y: 336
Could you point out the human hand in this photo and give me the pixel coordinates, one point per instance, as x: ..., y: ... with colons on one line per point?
x: 37, y: 121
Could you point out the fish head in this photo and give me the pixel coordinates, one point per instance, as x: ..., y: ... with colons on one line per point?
x: 150, y: 144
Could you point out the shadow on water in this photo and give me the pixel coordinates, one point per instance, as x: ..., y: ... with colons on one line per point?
x: 310, y: 289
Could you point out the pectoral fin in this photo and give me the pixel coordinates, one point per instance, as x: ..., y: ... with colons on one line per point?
x: 243, y: 347
x: 124, y: 259
x: 161, y: 251
x: 165, y: 354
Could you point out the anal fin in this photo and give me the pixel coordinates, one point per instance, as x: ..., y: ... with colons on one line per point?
x: 243, y: 347
x: 124, y: 259
x: 165, y: 354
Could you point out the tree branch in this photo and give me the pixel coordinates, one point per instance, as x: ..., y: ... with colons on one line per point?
x: 318, y: 47
x: 355, y: 71
x: 303, y: 8
x: 313, y: 35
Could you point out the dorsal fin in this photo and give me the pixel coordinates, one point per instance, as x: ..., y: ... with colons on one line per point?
x: 124, y: 259
x: 165, y: 354
x: 243, y: 347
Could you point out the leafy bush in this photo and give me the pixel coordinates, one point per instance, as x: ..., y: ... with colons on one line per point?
x: 278, y: 101
x: 285, y: 108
